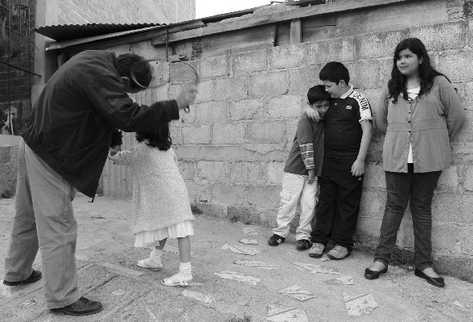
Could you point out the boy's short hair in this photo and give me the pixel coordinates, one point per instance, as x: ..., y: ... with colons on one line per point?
x: 317, y: 93
x: 135, y: 68
x: 334, y: 72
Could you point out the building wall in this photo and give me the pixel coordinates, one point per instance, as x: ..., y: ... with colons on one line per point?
x: 233, y: 145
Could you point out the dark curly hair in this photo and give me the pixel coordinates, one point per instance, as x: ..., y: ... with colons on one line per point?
x: 136, y: 68
x: 160, y: 139
x: 397, y: 83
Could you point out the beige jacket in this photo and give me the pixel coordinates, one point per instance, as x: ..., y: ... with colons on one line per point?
x: 429, y: 123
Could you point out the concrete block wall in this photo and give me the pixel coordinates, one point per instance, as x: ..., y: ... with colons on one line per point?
x: 233, y: 144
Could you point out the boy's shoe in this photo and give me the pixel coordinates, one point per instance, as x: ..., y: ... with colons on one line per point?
x: 179, y: 279
x: 317, y: 250
x: 34, y: 277
x: 153, y: 262
x: 82, y: 306
x: 338, y: 252
x: 275, y: 240
x: 303, y: 244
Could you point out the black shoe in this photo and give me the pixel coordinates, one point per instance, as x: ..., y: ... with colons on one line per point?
x: 303, y: 244
x: 34, y: 277
x: 372, y: 275
x: 82, y: 306
x: 435, y: 281
x: 275, y: 240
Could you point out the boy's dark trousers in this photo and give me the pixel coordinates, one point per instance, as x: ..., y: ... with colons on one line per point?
x: 339, y: 202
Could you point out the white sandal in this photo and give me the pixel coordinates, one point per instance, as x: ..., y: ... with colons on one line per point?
x: 180, y: 279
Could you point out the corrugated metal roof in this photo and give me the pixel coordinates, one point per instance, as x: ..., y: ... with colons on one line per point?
x: 70, y: 32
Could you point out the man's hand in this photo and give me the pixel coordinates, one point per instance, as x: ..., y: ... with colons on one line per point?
x: 114, y: 150
x: 358, y: 168
x: 312, y: 114
x: 311, y: 176
x: 187, y: 96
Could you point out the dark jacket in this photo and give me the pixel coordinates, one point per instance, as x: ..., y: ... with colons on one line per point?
x: 75, y: 117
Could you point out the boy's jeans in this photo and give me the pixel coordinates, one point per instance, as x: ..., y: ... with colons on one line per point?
x: 295, y: 190
x: 418, y: 189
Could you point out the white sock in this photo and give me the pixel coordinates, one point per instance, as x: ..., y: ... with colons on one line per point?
x: 156, y: 254
x: 185, y: 268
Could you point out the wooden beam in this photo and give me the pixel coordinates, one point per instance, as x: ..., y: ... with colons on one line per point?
x: 295, y: 33
x: 276, y: 17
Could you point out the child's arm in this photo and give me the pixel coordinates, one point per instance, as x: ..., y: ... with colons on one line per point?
x: 306, y: 145
x: 454, y: 111
x: 358, y: 167
x: 381, y: 112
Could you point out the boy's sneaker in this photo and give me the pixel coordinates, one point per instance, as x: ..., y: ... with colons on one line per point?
x: 317, y: 250
x: 338, y: 252
x: 275, y: 240
x: 303, y: 244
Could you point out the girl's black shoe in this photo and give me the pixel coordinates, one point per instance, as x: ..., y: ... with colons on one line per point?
x: 372, y: 275
x: 435, y: 281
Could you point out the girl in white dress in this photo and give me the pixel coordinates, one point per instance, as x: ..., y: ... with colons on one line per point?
x: 162, y: 207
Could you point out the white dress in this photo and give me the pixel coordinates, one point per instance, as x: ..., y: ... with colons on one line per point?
x: 162, y: 207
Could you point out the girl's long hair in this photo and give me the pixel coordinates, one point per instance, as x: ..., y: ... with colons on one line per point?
x: 397, y: 83
x: 160, y: 138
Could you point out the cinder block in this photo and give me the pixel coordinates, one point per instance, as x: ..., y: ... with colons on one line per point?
x: 268, y: 84
x: 182, y: 73
x: 466, y: 240
x: 449, y: 208
x: 442, y: 36
x: 176, y: 133
x: 468, y: 183
x: 205, y: 91
x: 267, y: 132
x: 231, y: 89
x: 374, y: 177
x: 301, y: 79
x: 160, y: 73
x: 446, y: 239
x: 251, y: 61
x: 214, y: 66
x: 229, y: 194
x: 338, y: 49
x: 457, y: 65
x: 249, y: 173
x: 211, y: 171
x: 288, y: 56
x: 373, y: 203
x: 210, y: 112
x: 366, y: 74
x: 199, y: 193
x: 228, y: 133
x: 284, y: 106
x: 378, y: 44
x: 187, y: 170
x: 196, y: 134
x: 264, y: 197
x: 246, y: 110
x: 448, y: 180
x: 275, y: 172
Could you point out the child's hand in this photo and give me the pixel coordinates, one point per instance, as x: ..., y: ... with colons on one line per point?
x: 311, y: 177
x: 114, y: 150
x: 312, y: 114
x: 358, y: 168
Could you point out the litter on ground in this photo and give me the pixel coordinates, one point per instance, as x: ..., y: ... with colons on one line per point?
x: 316, y: 269
x: 341, y: 280
x: 298, y: 293
x: 246, y: 241
x: 238, y: 277
x: 207, y: 300
x: 359, y: 304
x: 290, y: 316
x: 256, y: 264
x: 238, y: 249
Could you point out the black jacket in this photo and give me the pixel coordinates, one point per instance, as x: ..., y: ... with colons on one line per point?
x: 75, y: 117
